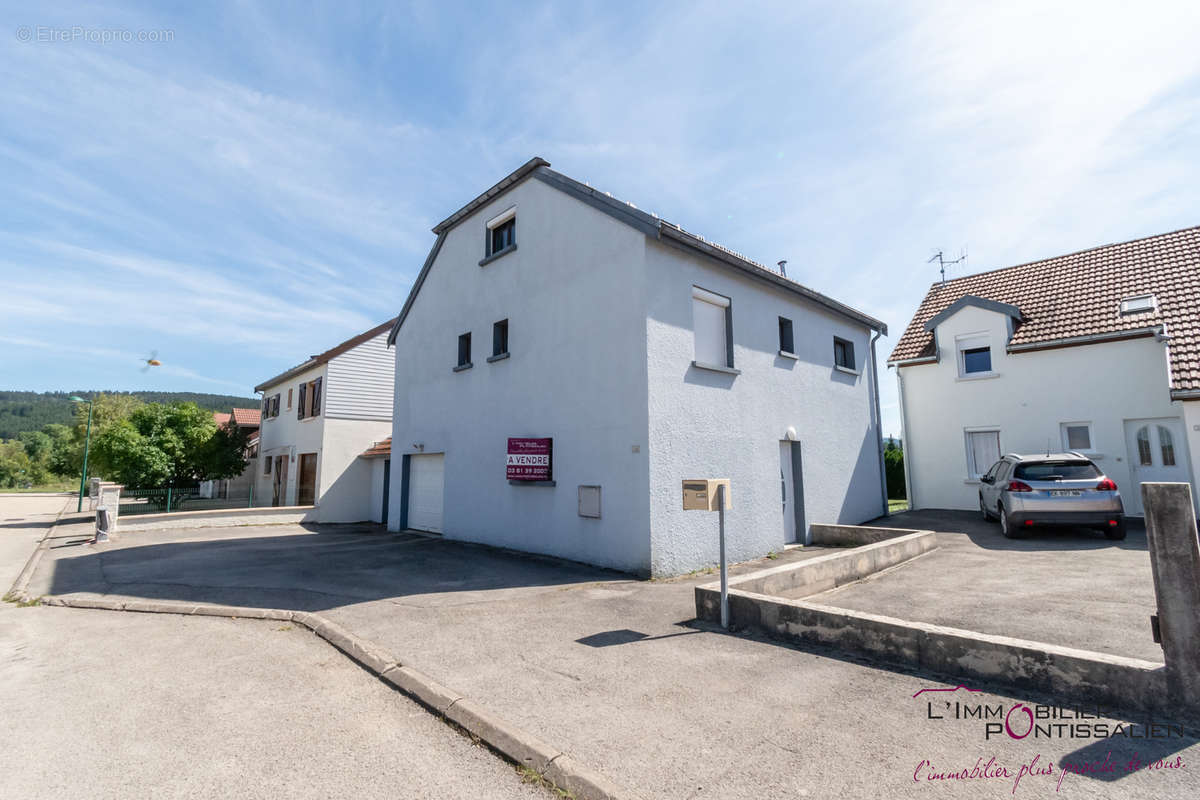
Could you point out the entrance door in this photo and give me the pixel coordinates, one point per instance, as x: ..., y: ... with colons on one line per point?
x: 791, y: 490
x: 426, y: 476
x: 1155, y: 454
x: 306, y: 486
x: 279, y: 482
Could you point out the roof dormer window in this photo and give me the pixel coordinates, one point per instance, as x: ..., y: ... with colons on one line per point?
x: 1138, y: 304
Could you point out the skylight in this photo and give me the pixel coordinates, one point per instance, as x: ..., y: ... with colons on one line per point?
x: 1138, y: 304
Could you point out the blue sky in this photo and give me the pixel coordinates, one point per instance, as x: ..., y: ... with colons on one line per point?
x: 261, y: 186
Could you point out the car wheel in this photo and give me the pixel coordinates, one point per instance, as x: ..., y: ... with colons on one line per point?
x: 987, y: 517
x: 1006, y: 527
x: 1115, y: 532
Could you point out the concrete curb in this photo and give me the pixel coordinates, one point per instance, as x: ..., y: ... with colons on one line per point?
x: 21, y: 584
x: 506, y: 739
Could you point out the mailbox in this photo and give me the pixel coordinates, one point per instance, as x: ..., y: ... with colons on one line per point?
x: 701, y: 494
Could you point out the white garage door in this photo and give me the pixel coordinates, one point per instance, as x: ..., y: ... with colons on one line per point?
x: 425, y: 482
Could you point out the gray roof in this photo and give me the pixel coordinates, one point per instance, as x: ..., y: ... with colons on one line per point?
x: 649, y: 224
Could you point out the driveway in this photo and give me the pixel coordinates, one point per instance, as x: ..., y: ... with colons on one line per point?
x: 1064, y: 586
x: 612, y: 670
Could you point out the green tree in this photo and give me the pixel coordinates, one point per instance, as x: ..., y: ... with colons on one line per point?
x: 893, y: 462
x: 14, y: 465
x: 167, y: 445
x: 37, y: 449
x: 63, y: 452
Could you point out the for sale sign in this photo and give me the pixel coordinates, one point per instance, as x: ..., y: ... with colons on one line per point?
x: 530, y: 459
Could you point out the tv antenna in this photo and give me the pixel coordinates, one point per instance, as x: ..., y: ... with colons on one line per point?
x: 940, y: 257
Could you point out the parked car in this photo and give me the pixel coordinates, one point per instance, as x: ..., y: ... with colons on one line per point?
x: 1051, y: 489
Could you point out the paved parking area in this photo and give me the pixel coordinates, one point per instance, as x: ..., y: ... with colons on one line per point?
x: 610, y: 669
x: 1069, y: 587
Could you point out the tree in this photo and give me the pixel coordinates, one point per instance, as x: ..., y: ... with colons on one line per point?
x: 14, y: 465
x: 167, y: 445
x: 37, y: 449
x: 893, y: 461
x: 63, y: 452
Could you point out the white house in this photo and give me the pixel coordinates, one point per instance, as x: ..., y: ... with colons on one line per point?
x: 317, y: 419
x: 564, y: 361
x: 1096, y: 352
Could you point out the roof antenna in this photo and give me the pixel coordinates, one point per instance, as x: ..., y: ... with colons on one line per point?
x: 783, y: 268
x: 943, y: 263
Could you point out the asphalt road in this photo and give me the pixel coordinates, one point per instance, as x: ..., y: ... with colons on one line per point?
x: 614, y: 672
x: 99, y: 704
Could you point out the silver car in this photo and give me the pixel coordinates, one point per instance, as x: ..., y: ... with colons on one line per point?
x: 1050, y: 489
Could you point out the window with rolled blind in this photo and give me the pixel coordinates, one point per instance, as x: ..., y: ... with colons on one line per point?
x: 710, y: 326
x: 983, y: 450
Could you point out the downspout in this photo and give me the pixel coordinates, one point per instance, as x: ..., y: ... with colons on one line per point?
x: 878, y: 425
x: 905, y: 442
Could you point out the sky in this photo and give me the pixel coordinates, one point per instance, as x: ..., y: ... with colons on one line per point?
x: 237, y: 186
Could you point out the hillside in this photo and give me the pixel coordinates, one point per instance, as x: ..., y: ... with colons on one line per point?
x: 30, y: 411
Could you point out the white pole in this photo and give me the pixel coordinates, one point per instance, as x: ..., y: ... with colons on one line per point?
x: 724, y: 573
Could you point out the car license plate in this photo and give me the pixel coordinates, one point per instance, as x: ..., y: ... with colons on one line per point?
x: 1065, y: 493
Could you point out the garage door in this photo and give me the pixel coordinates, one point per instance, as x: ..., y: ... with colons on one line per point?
x: 425, y: 482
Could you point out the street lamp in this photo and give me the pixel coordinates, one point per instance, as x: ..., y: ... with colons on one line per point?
x: 87, y: 443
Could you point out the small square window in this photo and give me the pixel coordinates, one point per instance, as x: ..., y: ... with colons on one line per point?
x: 1077, y: 435
x: 464, y: 350
x: 843, y: 353
x: 976, y: 360
x: 502, y: 236
x: 500, y: 338
x: 786, y: 342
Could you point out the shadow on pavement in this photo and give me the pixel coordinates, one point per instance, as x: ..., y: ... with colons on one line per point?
x: 311, y: 572
x: 987, y: 534
x: 1148, y: 748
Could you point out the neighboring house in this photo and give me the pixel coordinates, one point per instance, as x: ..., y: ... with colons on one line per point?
x: 245, y: 419
x: 317, y: 418
x: 564, y: 361
x: 1096, y: 352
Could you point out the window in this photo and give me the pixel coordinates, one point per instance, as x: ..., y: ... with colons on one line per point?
x: 974, y: 355
x: 994, y: 472
x: 275, y: 406
x: 710, y: 324
x: 289, y: 405
x: 843, y: 354
x: 1057, y: 471
x: 501, y: 233
x: 983, y: 450
x: 309, y: 404
x: 464, y: 351
x: 786, y: 342
x: 314, y: 399
x: 1167, y: 445
x: 1138, y: 304
x: 1143, y: 446
x: 266, y: 408
x: 267, y: 466
x: 499, y: 338
x: 1077, y: 435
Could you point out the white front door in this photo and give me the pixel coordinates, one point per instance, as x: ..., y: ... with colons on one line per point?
x: 426, y: 476
x: 1155, y: 454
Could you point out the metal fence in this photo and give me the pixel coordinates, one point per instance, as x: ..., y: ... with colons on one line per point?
x: 184, y: 498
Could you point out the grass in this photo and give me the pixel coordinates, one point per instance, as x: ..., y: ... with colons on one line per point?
x: 897, y: 505
x: 535, y: 778
x: 57, y: 485
x: 19, y: 603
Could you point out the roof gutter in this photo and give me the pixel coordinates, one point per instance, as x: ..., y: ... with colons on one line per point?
x: 1093, y: 338
x: 908, y: 362
x: 283, y: 376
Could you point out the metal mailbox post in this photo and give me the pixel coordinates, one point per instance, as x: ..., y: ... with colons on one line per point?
x: 712, y: 494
